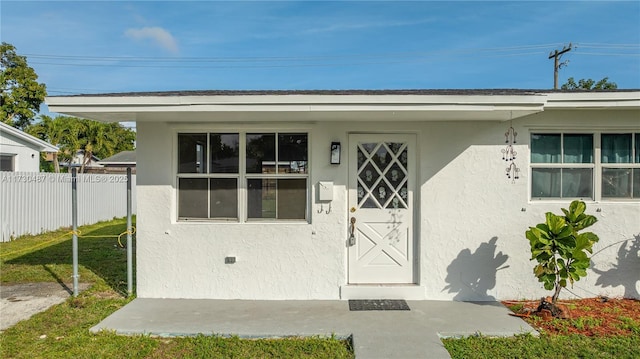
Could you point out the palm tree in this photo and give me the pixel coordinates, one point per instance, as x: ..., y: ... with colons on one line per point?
x: 96, y: 139
x: 59, y: 132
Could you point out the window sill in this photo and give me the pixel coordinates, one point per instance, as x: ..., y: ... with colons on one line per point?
x: 236, y: 222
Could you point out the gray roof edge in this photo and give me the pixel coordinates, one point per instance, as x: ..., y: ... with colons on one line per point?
x: 468, y: 92
x: 123, y: 157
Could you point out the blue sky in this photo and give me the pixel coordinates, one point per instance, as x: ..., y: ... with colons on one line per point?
x: 122, y: 46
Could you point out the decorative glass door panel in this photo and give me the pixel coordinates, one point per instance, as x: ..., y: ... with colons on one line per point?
x: 382, y: 175
x: 381, y: 171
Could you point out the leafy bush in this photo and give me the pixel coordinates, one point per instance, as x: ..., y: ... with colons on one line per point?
x: 559, y: 249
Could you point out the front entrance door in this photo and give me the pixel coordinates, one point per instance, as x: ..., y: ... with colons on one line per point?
x: 381, y: 189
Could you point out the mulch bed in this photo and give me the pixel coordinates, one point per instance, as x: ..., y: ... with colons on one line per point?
x: 590, y: 317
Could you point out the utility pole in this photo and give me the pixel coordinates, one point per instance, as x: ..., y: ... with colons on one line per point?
x: 556, y: 55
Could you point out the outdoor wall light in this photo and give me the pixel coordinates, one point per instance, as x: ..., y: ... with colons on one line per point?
x: 335, y: 153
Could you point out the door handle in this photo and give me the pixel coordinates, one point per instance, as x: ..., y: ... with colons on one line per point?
x: 352, y: 237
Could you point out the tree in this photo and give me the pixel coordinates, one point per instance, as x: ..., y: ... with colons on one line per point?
x: 589, y: 84
x: 63, y: 132
x: 71, y: 134
x: 560, y: 250
x: 22, y: 94
x: 96, y: 139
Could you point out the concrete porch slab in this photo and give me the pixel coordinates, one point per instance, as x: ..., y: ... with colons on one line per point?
x: 375, y: 334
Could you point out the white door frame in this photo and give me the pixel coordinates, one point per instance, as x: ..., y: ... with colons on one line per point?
x: 384, y: 247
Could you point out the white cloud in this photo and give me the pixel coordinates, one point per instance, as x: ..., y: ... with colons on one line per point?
x: 158, y: 35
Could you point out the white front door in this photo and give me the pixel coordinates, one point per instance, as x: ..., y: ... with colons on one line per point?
x: 381, y: 189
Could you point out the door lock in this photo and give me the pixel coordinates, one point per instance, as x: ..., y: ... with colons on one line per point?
x: 353, y: 209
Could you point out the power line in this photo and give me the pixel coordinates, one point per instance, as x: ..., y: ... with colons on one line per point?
x: 287, y: 58
x: 281, y: 65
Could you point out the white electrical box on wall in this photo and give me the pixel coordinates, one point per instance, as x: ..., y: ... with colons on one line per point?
x: 325, y: 191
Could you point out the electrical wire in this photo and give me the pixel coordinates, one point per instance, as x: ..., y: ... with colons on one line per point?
x: 289, y: 58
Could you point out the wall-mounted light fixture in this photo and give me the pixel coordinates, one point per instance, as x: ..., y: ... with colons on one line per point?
x: 335, y: 153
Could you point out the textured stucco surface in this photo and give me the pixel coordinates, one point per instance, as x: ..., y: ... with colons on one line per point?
x: 27, y: 158
x: 470, y: 219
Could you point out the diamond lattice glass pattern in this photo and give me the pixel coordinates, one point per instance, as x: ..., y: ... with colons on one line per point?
x: 382, y: 173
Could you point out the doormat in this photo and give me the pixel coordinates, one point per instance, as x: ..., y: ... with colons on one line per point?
x: 378, y: 304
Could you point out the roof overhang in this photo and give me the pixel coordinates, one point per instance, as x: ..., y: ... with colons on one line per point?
x: 37, y: 143
x: 629, y: 100
x: 328, y: 106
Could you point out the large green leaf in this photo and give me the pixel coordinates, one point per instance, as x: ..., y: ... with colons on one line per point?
x: 586, y: 221
x: 585, y: 241
x: 579, y: 256
x: 576, y: 208
x: 561, y: 264
x: 566, y: 232
x: 581, y: 272
x: 556, y: 223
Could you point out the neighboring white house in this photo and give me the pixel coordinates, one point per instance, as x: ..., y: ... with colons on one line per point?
x: 373, y: 194
x: 19, y: 151
x: 76, y: 162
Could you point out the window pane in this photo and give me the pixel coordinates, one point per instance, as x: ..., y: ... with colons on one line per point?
x: 578, y: 148
x: 616, y: 182
x: 225, y: 148
x: 545, y: 182
x: 261, y: 201
x: 224, y: 198
x: 577, y: 182
x: 6, y: 163
x: 292, y: 153
x: 637, y: 156
x: 261, y: 153
x: 616, y: 148
x: 192, y: 153
x: 192, y: 194
x: 545, y: 148
x: 636, y: 183
x: 292, y: 198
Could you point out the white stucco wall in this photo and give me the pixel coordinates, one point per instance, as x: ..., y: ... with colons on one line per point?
x: 470, y: 219
x: 26, y: 157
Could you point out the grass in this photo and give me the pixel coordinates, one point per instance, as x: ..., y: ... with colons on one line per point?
x: 563, y: 344
x: 546, y: 346
x: 62, y: 331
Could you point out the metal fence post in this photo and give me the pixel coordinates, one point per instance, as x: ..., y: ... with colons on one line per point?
x: 74, y: 221
x: 129, y: 241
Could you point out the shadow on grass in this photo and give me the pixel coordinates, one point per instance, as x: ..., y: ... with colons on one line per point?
x: 102, y: 256
x: 57, y: 278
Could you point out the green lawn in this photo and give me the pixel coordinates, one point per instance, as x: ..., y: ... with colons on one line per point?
x: 546, y: 346
x: 63, y: 330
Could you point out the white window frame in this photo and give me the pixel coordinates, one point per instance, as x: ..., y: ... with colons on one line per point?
x: 597, y: 164
x: 242, y: 176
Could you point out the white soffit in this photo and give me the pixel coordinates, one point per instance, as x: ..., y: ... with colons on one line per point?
x: 253, y: 108
x: 332, y: 107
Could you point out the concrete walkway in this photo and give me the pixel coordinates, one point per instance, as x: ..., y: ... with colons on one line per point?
x: 375, y: 334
